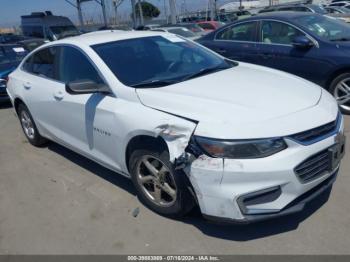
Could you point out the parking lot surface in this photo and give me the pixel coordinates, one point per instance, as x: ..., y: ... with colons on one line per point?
x: 53, y: 201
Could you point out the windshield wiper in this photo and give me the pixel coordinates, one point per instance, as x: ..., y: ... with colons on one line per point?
x: 205, y: 71
x: 154, y: 83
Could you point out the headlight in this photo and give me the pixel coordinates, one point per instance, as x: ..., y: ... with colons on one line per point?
x: 241, y: 149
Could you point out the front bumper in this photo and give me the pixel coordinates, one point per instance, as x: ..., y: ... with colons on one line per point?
x: 220, y: 184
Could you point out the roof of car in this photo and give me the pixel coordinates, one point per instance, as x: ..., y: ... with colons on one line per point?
x: 101, y: 37
x: 281, y: 15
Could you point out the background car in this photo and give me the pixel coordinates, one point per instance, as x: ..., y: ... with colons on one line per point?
x: 210, y: 26
x: 196, y: 29
x: 311, y: 46
x: 340, y: 13
x: 344, y: 4
x: 311, y: 8
x: 181, y: 31
x: 10, y: 57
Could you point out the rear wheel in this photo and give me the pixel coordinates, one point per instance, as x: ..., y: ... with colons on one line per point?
x: 159, y: 186
x: 340, y: 89
x: 28, y: 126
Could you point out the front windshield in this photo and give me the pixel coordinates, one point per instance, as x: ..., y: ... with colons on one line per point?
x: 64, y: 31
x: 158, y: 60
x: 324, y: 27
x: 182, y: 31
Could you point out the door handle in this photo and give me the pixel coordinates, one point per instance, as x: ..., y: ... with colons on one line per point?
x: 27, y: 86
x: 58, y: 94
x: 221, y: 51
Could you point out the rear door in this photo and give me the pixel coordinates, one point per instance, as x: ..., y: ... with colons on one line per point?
x: 237, y: 42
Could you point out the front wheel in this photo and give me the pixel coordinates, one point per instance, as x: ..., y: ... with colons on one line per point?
x: 340, y: 89
x: 159, y: 186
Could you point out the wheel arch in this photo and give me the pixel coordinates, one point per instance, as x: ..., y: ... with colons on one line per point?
x: 335, y: 74
x: 144, y: 142
x: 16, y: 102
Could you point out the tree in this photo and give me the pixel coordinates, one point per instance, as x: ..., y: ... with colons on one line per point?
x: 149, y: 10
x: 116, y: 4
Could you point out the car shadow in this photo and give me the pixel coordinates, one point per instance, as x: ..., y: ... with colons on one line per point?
x: 234, y: 232
x: 105, y: 173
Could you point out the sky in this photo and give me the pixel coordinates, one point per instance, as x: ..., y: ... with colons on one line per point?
x: 11, y: 10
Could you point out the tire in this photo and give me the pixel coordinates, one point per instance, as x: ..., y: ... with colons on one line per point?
x: 176, y: 204
x: 339, y: 91
x: 28, y: 126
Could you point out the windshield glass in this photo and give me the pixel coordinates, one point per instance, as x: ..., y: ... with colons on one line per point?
x: 64, y: 31
x: 182, y: 31
x: 324, y: 27
x: 158, y: 60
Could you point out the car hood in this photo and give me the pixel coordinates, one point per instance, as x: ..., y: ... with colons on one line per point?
x: 246, y: 95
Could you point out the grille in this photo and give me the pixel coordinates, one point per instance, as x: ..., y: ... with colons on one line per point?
x: 314, y: 166
x: 313, y: 135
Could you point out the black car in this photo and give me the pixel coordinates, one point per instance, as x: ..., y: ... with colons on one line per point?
x: 10, y: 57
x: 311, y: 46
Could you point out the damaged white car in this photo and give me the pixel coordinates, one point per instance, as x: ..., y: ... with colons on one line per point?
x: 189, y: 127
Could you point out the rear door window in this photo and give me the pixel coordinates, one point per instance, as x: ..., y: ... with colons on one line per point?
x: 241, y: 32
x: 42, y: 63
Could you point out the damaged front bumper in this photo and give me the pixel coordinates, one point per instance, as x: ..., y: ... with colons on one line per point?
x: 251, y: 190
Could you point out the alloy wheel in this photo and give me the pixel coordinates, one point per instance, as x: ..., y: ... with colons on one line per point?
x: 27, y: 125
x: 342, y: 93
x: 156, y: 181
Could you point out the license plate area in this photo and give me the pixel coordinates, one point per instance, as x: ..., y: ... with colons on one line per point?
x: 337, y: 152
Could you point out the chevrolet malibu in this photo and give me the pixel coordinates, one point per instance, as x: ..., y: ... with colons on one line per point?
x: 189, y: 127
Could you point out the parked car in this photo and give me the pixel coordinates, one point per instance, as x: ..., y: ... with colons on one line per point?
x: 340, y: 13
x: 147, y: 27
x: 114, y: 27
x: 47, y: 26
x: 343, y: 4
x: 11, y: 38
x: 240, y: 14
x: 27, y: 43
x: 210, y: 26
x: 10, y: 57
x: 196, y: 29
x: 30, y: 44
x: 189, y: 127
x: 310, y: 8
x: 312, y: 46
x: 177, y: 30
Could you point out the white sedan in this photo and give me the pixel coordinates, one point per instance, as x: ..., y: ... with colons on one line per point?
x: 189, y: 127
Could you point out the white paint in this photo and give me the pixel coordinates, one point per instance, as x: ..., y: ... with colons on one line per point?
x: 246, y: 101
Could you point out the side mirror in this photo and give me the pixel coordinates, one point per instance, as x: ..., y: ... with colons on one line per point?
x: 302, y: 42
x: 85, y: 87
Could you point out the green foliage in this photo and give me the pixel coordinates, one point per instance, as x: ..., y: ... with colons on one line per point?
x: 149, y: 10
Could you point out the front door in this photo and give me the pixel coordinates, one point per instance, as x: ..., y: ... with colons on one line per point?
x: 276, y: 50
